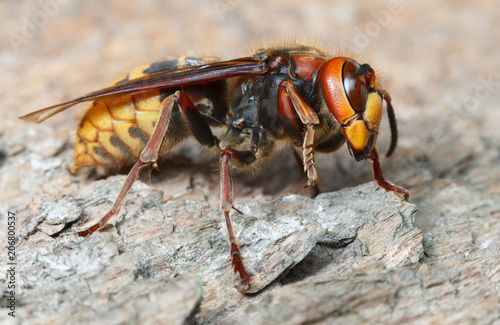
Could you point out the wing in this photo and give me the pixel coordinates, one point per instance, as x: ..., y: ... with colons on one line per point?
x: 164, y: 79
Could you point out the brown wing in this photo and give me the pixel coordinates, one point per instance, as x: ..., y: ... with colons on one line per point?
x: 163, y: 79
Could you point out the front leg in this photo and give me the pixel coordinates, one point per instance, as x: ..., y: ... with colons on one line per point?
x: 289, y: 103
x: 379, y: 176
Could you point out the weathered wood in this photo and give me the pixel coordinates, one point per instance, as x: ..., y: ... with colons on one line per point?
x: 150, y: 242
x: 458, y: 290
x: 458, y: 281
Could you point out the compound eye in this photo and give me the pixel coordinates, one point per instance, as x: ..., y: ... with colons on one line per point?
x: 355, y: 85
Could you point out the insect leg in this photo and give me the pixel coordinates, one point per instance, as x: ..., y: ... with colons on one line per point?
x: 202, y: 132
x: 379, y: 177
x: 288, y: 99
x: 149, y: 156
x: 226, y: 203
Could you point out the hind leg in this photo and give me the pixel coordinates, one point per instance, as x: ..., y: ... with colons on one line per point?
x: 149, y: 155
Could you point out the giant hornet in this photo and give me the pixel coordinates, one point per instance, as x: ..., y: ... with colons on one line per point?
x: 293, y: 95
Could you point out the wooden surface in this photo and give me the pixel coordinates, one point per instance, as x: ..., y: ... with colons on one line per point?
x: 356, y: 256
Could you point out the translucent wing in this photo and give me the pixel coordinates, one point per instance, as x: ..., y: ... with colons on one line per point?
x: 163, y: 79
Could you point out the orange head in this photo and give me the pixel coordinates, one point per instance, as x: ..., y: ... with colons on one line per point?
x: 354, y: 98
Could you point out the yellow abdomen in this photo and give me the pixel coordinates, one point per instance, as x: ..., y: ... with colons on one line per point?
x: 116, y: 131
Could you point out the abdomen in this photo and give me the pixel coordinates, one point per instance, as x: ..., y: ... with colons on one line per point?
x: 115, y: 132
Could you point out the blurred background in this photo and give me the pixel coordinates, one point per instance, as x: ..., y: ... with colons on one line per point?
x: 439, y: 61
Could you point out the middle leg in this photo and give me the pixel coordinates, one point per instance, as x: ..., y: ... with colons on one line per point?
x: 226, y: 203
